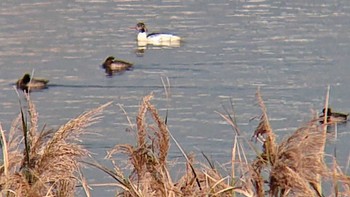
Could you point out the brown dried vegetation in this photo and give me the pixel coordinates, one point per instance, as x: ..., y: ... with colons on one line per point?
x: 45, y: 163
x: 42, y: 162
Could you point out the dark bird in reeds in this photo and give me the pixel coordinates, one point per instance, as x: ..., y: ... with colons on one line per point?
x: 113, y: 65
x: 26, y: 83
x: 333, y: 117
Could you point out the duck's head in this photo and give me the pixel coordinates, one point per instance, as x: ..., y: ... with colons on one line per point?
x: 141, y: 27
x: 26, y: 78
x: 329, y: 111
x: 108, y: 61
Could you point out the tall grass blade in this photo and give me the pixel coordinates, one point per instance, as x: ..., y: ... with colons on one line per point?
x: 211, y: 164
x: 109, y: 172
x: 167, y: 96
x: 25, y: 135
x: 187, y: 159
x: 84, y: 184
x: 4, y: 152
x: 26, y: 163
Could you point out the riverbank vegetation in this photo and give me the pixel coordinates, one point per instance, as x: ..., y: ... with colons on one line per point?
x: 41, y: 162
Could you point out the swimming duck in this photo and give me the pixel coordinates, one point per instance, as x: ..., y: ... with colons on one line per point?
x: 155, y: 38
x: 333, y: 117
x: 26, y: 83
x: 112, y: 65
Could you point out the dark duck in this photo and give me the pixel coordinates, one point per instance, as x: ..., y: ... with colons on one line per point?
x: 333, y: 117
x: 26, y: 83
x: 113, y: 65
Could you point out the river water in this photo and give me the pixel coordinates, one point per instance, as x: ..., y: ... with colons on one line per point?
x: 292, y: 50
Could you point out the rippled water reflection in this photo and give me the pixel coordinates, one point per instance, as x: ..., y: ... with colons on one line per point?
x: 292, y: 49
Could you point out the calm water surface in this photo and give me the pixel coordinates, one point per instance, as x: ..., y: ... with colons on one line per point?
x: 292, y: 50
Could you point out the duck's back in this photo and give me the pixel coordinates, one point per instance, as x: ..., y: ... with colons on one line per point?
x: 120, y: 65
x: 34, y: 84
x: 335, y: 117
x: 37, y: 83
x: 163, y: 37
x: 340, y: 115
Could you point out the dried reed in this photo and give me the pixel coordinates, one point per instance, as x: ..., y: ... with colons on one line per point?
x: 148, y: 157
x: 148, y: 160
x: 292, y: 168
x: 45, y: 162
x: 42, y: 163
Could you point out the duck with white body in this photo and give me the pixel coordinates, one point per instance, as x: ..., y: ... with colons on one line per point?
x: 158, y: 39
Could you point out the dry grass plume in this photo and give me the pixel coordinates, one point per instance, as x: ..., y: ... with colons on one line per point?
x: 45, y: 162
x: 42, y: 162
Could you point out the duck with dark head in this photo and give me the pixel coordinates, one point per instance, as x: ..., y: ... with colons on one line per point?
x: 160, y: 39
x: 26, y: 83
x: 113, y: 65
x: 333, y: 117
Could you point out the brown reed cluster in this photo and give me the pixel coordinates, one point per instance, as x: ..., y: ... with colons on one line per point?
x: 46, y: 162
x: 39, y: 162
x: 148, y: 157
x: 149, y: 165
x: 296, y: 166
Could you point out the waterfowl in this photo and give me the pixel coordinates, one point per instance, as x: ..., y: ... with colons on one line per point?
x: 333, y: 117
x: 155, y: 38
x: 27, y: 83
x: 113, y: 65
